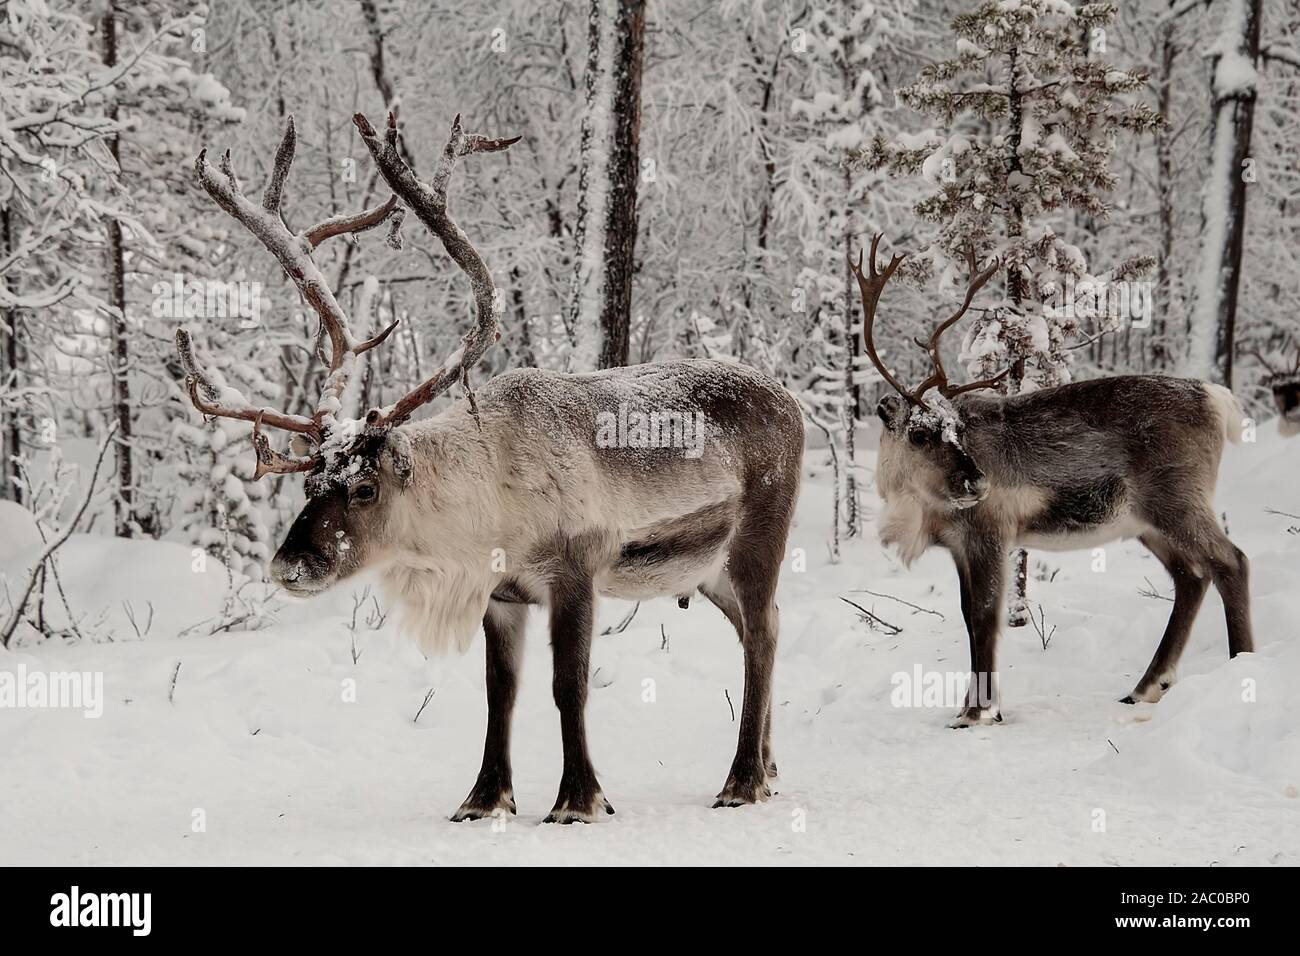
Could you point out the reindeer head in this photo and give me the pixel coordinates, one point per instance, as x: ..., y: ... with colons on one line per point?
x: 1285, y: 384
x: 921, y: 446
x: 355, y: 469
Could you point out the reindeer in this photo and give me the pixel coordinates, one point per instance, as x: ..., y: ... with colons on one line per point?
x: 509, y: 499
x: 1064, y: 468
x: 1285, y: 385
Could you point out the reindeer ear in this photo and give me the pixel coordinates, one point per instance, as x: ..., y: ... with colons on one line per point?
x: 892, y: 411
x: 398, y: 453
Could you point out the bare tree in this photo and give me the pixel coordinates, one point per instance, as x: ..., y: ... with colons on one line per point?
x: 606, y: 229
x: 1233, y: 90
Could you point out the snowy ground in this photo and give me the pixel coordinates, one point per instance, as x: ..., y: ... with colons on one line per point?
x: 259, y: 737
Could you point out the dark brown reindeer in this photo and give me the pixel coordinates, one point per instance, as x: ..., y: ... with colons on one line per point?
x: 533, y: 490
x: 1063, y: 468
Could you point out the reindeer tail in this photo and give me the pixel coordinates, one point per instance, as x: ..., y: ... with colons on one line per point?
x: 1228, y: 409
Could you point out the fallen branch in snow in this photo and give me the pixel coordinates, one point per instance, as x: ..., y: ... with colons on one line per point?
x: 663, y: 638
x: 1150, y: 591
x: 621, y: 626
x: 57, y: 541
x: 874, y: 622
x: 726, y: 693
x: 915, y: 607
x: 171, y: 692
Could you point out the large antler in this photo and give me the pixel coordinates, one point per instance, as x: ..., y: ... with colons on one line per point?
x: 939, y: 377
x: 429, y: 202
x: 871, y: 285
x: 294, y: 252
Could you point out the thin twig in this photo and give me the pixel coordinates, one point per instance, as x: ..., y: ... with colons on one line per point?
x: 915, y: 607
x: 1151, y: 592
x: 171, y: 692
x: 726, y: 693
x: 1040, y: 625
x: 872, y: 620
x: 621, y: 626
x: 427, y: 697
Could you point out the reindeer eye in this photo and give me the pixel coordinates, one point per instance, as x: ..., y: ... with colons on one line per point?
x: 365, y: 493
x: 918, y: 437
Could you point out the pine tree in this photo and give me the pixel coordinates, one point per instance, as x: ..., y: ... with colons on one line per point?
x: 1030, y: 109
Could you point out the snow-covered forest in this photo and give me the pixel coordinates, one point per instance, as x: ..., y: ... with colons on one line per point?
x: 691, y: 180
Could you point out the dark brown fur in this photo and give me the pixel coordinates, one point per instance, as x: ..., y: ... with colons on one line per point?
x: 1071, y: 467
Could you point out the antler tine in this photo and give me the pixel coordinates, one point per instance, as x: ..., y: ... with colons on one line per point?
x: 229, y: 402
x: 939, y: 377
x: 870, y: 287
x: 1268, y: 366
x: 271, y: 462
x: 274, y: 191
x: 993, y: 382
x: 429, y: 202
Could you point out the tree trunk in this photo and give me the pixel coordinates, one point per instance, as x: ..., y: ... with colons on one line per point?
x: 1017, y: 605
x: 1165, y: 182
x: 607, y: 185
x: 849, y: 409
x: 11, y: 439
x: 1223, y: 230
x: 118, y: 359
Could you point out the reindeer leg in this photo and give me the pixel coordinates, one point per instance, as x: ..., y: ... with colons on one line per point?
x: 1202, y: 543
x: 983, y: 569
x: 503, y: 628
x: 1231, y: 572
x: 580, y: 797
x: 723, y: 596
x: 963, y: 584
x: 1189, y: 591
x: 753, y: 575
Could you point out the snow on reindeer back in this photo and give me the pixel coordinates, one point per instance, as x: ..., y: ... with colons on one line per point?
x: 640, y: 412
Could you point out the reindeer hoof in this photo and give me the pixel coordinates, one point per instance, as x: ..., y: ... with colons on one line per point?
x: 478, y: 807
x: 1150, y: 693
x: 739, y: 794
x: 976, y: 717
x: 567, y: 812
